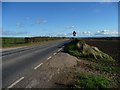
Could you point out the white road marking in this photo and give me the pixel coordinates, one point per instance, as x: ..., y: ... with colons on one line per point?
x: 49, y: 58
x: 16, y: 82
x: 59, y: 49
x: 38, y: 66
x: 54, y: 53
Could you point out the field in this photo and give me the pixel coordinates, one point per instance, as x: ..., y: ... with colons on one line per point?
x: 110, y: 47
x: 27, y: 41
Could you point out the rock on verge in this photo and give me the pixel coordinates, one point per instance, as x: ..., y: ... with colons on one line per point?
x: 92, y: 52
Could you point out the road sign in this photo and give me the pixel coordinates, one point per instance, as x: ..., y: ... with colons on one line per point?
x: 74, y: 33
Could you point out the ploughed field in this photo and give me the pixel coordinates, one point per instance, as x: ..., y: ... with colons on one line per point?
x: 111, y: 47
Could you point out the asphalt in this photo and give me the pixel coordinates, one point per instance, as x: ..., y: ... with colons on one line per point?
x: 20, y: 62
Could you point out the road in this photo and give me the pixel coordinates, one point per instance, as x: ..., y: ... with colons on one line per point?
x: 18, y: 63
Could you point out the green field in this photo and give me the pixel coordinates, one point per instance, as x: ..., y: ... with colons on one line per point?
x: 21, y: 41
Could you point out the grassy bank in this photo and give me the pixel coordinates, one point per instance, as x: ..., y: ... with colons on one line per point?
x: 106, y: 66
x: 86, y: 80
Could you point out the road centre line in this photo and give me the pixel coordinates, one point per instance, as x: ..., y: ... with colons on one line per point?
x: 16, y: 82
x: 38, y: 66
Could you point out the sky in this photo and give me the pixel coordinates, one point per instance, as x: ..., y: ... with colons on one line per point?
x: 88, y: 19
x: 60, y: 0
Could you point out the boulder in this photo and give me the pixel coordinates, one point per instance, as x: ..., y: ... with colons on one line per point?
x: 92, y: 52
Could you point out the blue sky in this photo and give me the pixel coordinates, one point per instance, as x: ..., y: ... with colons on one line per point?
x: 22, y: 19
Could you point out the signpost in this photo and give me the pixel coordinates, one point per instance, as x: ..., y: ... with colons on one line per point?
x: 74, y: 33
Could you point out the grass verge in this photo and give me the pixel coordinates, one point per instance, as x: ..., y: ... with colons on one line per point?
x: 92, y: 81
x: 72, y: 49
x: 102, y: 65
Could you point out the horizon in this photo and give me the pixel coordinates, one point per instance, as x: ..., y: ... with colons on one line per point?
x: 62, y: 37
x: 60, y: 19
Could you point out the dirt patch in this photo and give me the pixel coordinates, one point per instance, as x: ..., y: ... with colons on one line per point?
x: 60, y: 71
x: 62, y: 60
x: 51, y: 73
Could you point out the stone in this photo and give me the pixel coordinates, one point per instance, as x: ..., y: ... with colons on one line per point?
x: 92, y: 52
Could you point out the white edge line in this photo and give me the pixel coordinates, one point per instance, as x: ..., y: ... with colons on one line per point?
x: 54, y: 53
x: 38, y: 66
x: 16, y: 82
x: 49, y: 58
x: 59, y: 49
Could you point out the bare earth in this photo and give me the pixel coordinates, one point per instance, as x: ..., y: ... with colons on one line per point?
x: 58, y: 72
x: 52, y: 73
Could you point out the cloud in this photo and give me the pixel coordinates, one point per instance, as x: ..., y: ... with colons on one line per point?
x: 28, y: 18
x: 85, y: 33
x: 106, y: 33
x: 12, y: 33
x: 20, y: 25
x: 64, y: 35
x: 108, y: 1
x: 71, y: 27
x: 101, y: 33
x: 53, y: 34
x: 41, y: 21
x: 27, y: 22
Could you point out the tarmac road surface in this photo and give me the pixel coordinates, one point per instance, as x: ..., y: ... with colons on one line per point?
x: 20, y: 62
